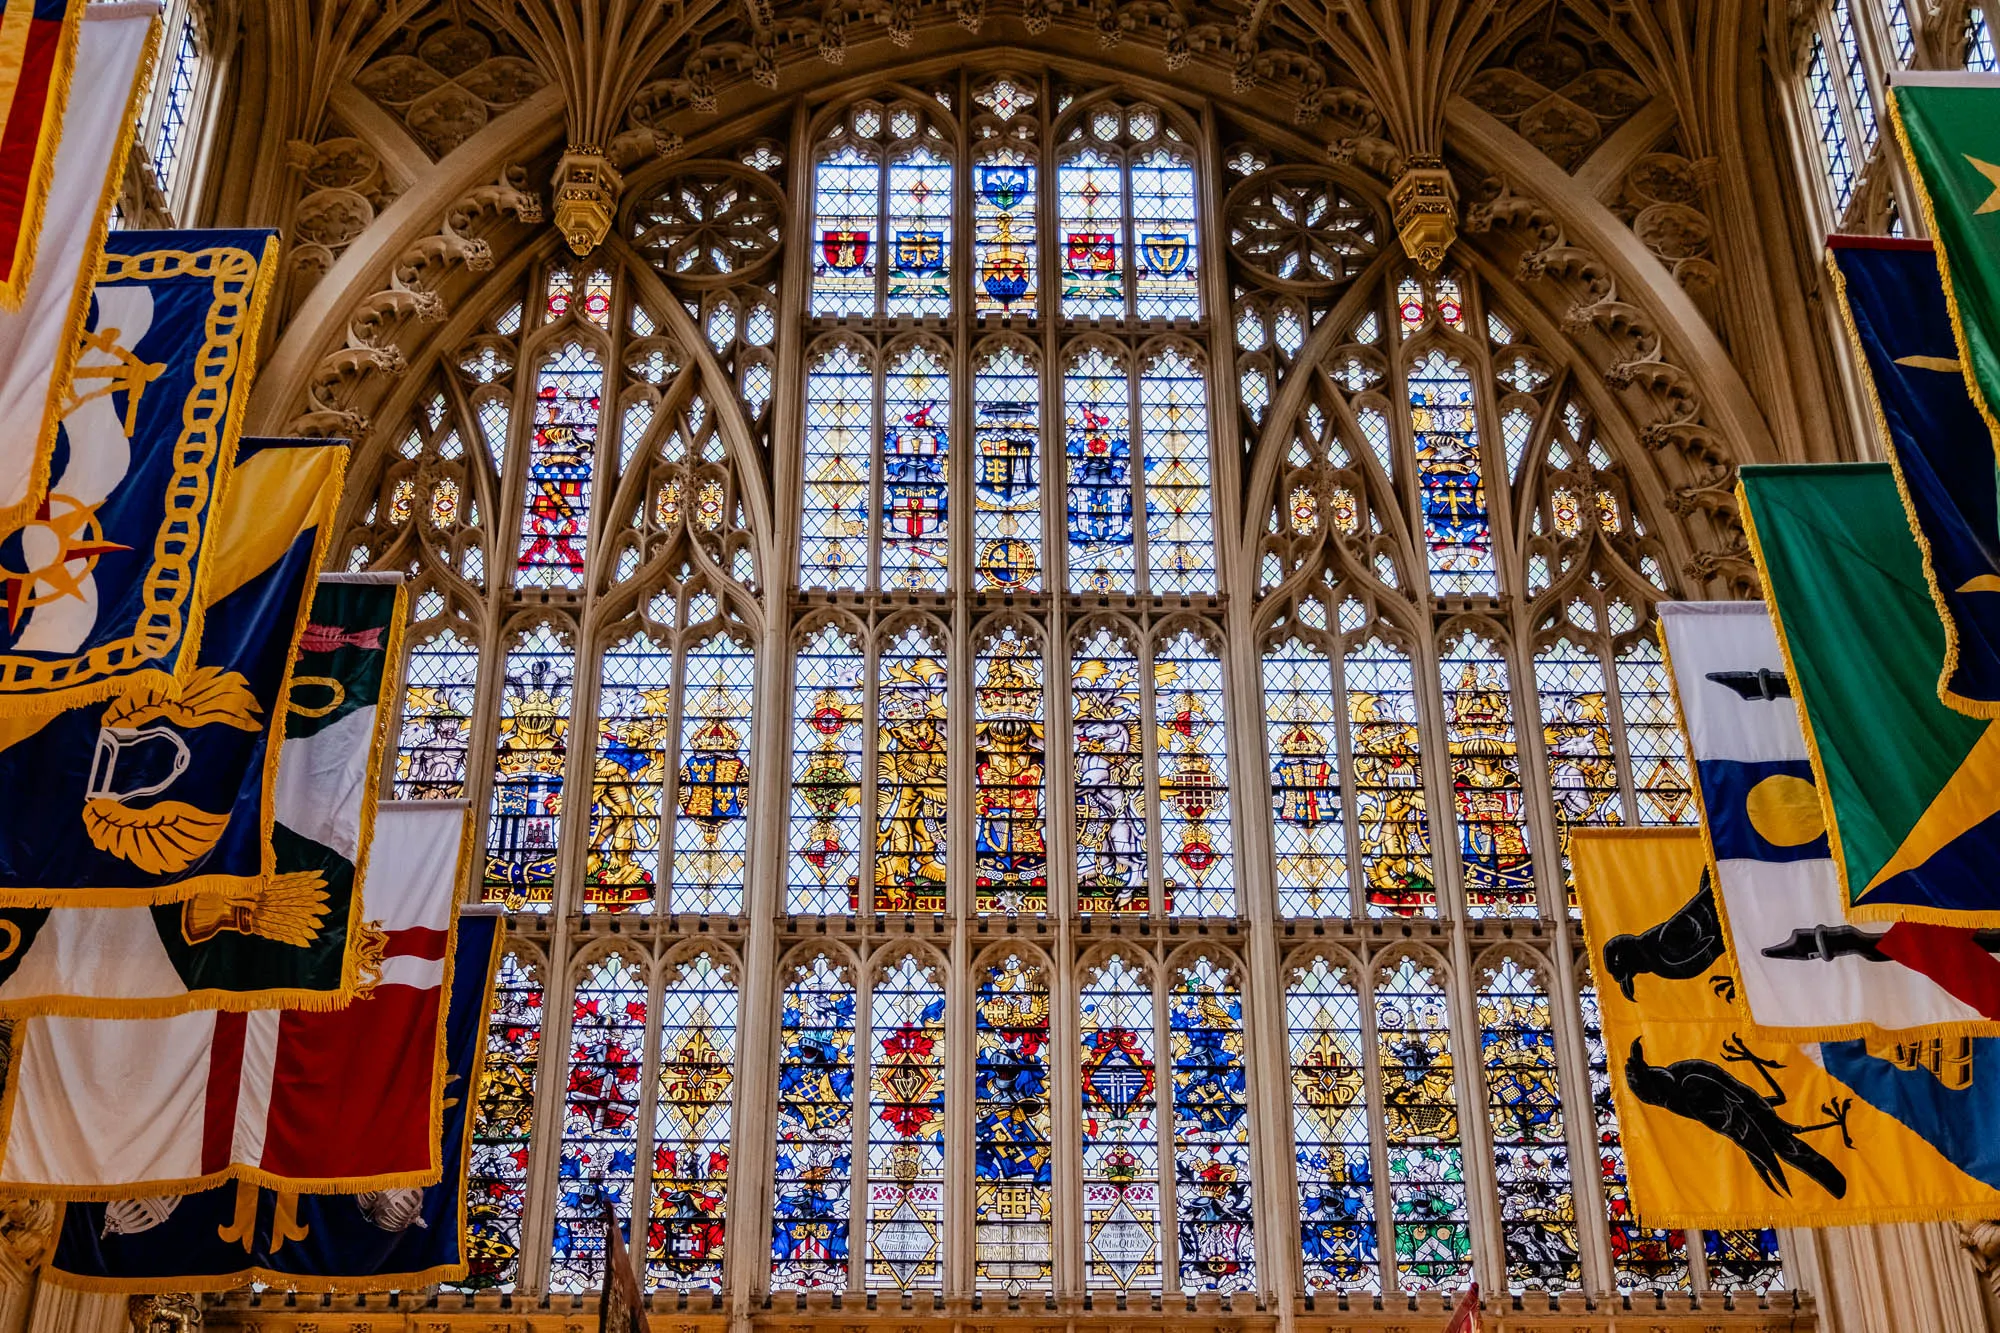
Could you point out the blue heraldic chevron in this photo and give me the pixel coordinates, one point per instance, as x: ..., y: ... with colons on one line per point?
x: 160, y: 796
x: 233, y: 1234
x: 102, y: 585
x: 1939, y: 444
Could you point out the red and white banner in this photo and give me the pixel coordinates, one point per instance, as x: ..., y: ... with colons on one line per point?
x: 345, y: 1101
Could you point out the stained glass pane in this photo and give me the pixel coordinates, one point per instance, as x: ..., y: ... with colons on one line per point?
x: 177, y: 104
x: 1099, y: 452
x: 1576, y: 735
x: 846, y: 204
x: 1653, y: 738
x: 1092, y: 204
x: 600, y: 1129
x: 1979, y: 53
x: 1857, y: 75
x: 1004, y: 231
x: 911, y: 796
x: 1211, y: 1131
x: 915, y: 464
x: 1197, y: 861
x: 1897, y: 12
x: 906, y: 1129
x: 440, y: 687
x: 1420, y: 1122
x: 840, y: 422
x: 1457, y: 531
x: 1009, y: 802
x: 1642, y: 1258
x: 1831, y: 125
x: 712, y: 787
x: 920, y: 222
x: 691, y: 1127
x: 1330, y: 1131
x: 1121, y: 1131
x: 815, y: 1152
x: 1167, y: 285
x: 1517, y: 1046
x: 555, y: 517
x: 1011, y: 1129
x: 1007, y: 472
x: 1391, y: 816
x: 1173, y: 417
x: 1110, y: 778
x: 634, y: 737
x: 826, y: 775
x: 531, y: 749
x: 1486, y: 781
x: 496, y: 1179
x: 1744, y: 1260
x: 1305, y: 781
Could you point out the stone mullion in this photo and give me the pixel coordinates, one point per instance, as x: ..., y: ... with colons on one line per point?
x: 1149, y: 749
x: 1363, y: 978
x: 1169, y: 1246
x: 959, y: 986
x: 1621, y: 746
x: 1335, y: 645
x: 1475, y: 1131
x: 1066, y: 1122
x: 652, y: 1047
x: 862, y: 1078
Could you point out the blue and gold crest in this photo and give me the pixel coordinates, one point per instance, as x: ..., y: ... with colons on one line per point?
x: 1166, y: 252
x: 105, y: 581
x: 919, y: 251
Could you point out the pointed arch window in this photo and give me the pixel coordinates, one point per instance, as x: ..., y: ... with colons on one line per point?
x: 1331, y: 1136
x: 1011, y: 1157
x: 883, y: 189
x: 826, y: 774
x: 689, y: 1172
x: 1197, y: 856
x: 1125, y: 187
x: 1173, y: 420
x: 839, y: 426
x: 1010, y: 757
x: 1524, y: 1106
x: 711, y: 820
x: 906, y: 1126
x: 815, y: 1130
x: 555, y: 514
x: 1391, y: 814
x: 1007, y: 470
x: 1576, y: 736
x: 634, y: 740
x: 1659, y: 762
x: 1005, y: 230
x: 1121, y: 1130
x: 1451, y: 479
x: 1299, y: 720
x: 911, y: 797
x: 496, y: 1184
x: 600, y: 1117
x: 441, y: 685
x: 532, y: 748
x: 1107, y: 729
x: 916, y: 462
x: 1642, y: 1258
x: 1420, y: 1124
x: 1098, y: 452
x: 1212, y: 1185
x: 1494, y: 858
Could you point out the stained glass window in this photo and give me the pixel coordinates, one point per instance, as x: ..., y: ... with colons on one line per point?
x: 555, y: 515
x: 1745, y: 1260
x: 1653, y: 737
x: 600, y: 1130
x: 1121, y: 1132
x: 177, y: 104
x: 712, y: 784
x: 1331, y: 1131
x: 846, y: 202
x: 1979, y: 55
x: 1830, y: 124
x: 906, y: 1127
x: 920, y: 223
x: 815, y: 1147
x: 1391, y: 816
x: 1897, y: 12
x: 1091, y: 202
x: 1005, y: 231
x: 1007, y: 476
x: 690, y: 1172
x: 840, y: 422
x: 1098, y: 451
x: 531, y: 750
x: 1451, y: 477
x: 911, y: 797
x: 442, y: 681
x: 1110, y: 776
x: 1167, y: 284
x: 1299, y: 721
x: 1010, y: 753
x: 826, y: 775
x: 1486, y: 780
x: 1524, y: 1106
x: 1857, y: 75
x: 1011, y: 1165
x: 1197, y: 861
x: 915, y: 470
x: 1211, y: 1130
x: 1642, y: 1258
x: 1173, y: 420
x: 1433, y: 1235
x: 496, y: 1183
x: 1576, y: 737
x: 634, y: 739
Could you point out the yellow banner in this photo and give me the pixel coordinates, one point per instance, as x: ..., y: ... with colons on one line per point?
x: 1725, y: 1127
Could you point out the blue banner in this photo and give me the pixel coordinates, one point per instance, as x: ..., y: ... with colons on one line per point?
x: 1894, y: 304
x: 222, y: 1238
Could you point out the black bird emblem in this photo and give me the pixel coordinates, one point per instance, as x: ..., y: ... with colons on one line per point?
x: 1711, y: 1096
x: 1678, y: 948
x: 1763, y: 683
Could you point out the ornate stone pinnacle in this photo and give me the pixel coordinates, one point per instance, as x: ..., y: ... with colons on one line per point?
x: 586, y: 193
x: 1425, y: 205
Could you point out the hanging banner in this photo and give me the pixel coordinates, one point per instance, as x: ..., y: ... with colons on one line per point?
x: 294, y: 939
x: 106, y: 585
x: 1728, y: 1127
x: 60, y: 168
x: 1774, y: 898
x: 160, y: 796
x: 312, y: 1101
x: 234, y: 1234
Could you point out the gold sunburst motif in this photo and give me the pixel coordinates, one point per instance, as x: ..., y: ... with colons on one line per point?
x: 59, y: 548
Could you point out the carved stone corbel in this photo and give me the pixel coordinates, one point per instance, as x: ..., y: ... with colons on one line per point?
x: 1424, y: 203
x: 586, y: 189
